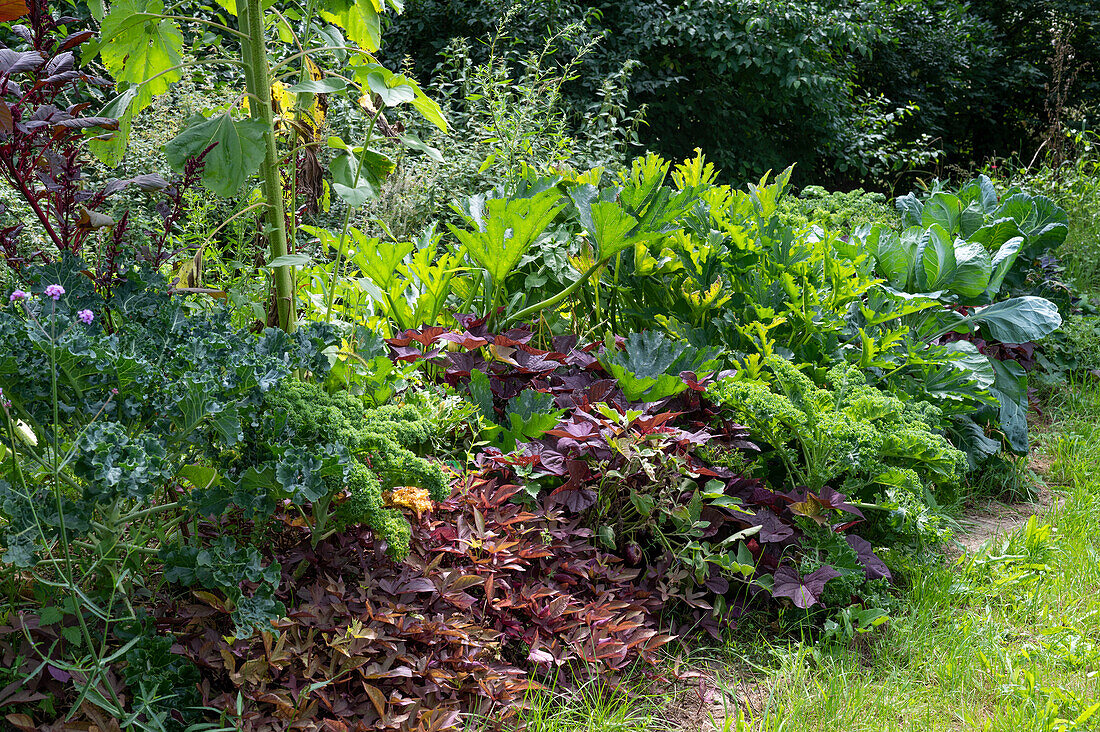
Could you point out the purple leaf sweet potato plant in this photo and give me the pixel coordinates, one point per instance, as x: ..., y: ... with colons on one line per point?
x: 661, y: 483
x: 492, y: 595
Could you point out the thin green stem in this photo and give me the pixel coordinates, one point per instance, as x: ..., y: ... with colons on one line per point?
x: 331, y: 294
x: 596, y: 295
x: 301, y: 102
x: 613, y: 304
x: 554, y: 300
x: 946, y: 330
x: 212, y: 234
x: 67, y: 565
x: 146, y: 512
x: 870, y: 506
x: 294, y: 57
x: 128, y: 547
x: 211, y: 23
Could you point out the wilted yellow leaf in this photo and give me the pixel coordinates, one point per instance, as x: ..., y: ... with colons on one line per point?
x: 411, y: 497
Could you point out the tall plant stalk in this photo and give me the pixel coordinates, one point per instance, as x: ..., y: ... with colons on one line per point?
x: 139, y: 48
x: 258, y: 85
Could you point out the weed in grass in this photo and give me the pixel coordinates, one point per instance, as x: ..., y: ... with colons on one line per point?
x: 594, y: 707
x: 1005, y: 477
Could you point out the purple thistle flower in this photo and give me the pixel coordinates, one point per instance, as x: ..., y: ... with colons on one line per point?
x: 18, y: 295
x: 86, y: 317
x: 55, y: 292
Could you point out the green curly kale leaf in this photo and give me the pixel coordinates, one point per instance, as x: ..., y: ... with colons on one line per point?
x: 847, y: 434
x: 378, y: 455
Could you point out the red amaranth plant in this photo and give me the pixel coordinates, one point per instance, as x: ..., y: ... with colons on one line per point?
x: 44, y: 158
x: 42, y: 136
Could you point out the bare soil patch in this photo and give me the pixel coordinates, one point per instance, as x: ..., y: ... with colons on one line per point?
x: 992, y: 519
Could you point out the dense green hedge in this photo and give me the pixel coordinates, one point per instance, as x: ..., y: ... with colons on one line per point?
x: 852, y: 91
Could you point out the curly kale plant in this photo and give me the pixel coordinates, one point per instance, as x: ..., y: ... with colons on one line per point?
x: 848, y: 435
x: 354, y: 448
x: 835, y: 211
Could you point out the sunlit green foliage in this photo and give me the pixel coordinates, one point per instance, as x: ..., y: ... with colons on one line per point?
x: 843, y: 433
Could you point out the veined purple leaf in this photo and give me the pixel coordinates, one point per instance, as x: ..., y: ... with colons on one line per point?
x: 581, y: 359
x: 574, y: 494
x: 467, y: 340
x: 552, y: 461
x: 873, y: 567
x: 565, y: 343
x: 805, y: 591
x: 461, y: 364
x: 424, y: 336
x: 772, y: 528
x: 411, y: 353
x: 516, y: 335
x: 14, y: 62
x: 816, y: 507
x: 837, y: 500
x: 686, y: 438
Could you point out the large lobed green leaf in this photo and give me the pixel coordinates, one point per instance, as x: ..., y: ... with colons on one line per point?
x: 358, y: 173
x: 378, y: 260
x: 980, y: 192
x: 360, y: 19
x: 1042, y: 223
x: 1002, y: 262
x: 238, y: 150
x: 507, y: 228
x: 966, y: 357
x: 140, y: 50
x: 895, y: 255
x: 611, y: 227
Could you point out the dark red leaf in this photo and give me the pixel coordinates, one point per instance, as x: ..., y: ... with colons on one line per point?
x: 15, y: 62
x: 874, y: 567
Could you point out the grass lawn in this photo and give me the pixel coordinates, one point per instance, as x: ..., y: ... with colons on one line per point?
x: 1004, y: 639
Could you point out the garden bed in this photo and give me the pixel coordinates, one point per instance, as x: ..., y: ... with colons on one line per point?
x: 274, y: 457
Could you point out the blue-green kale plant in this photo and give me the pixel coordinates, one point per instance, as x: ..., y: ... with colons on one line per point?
x: 127, y: 447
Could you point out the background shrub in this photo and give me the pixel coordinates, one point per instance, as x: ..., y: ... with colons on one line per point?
x: 752, y: 83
